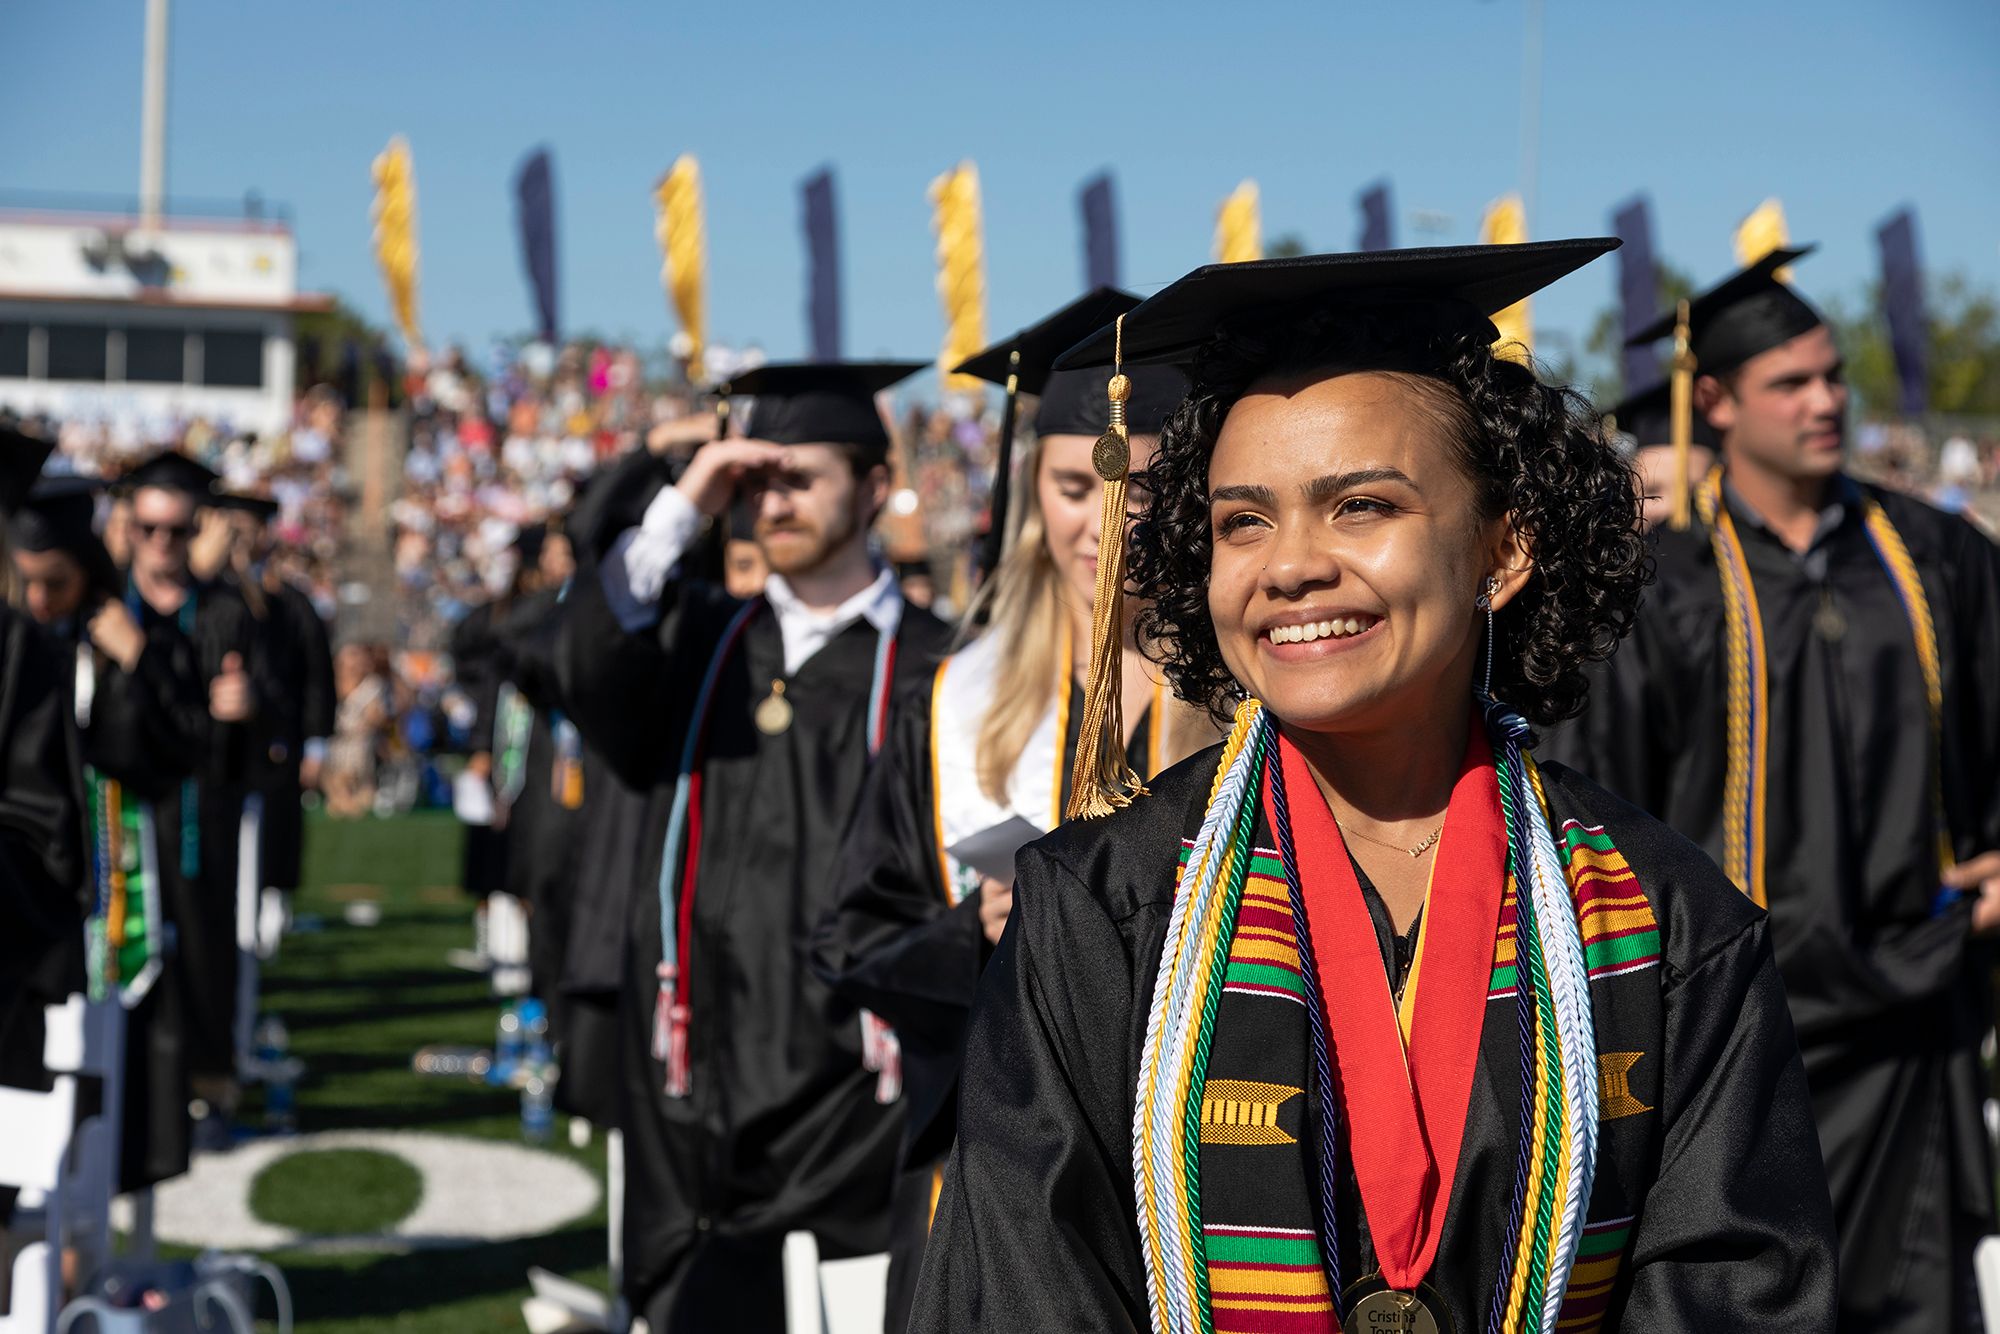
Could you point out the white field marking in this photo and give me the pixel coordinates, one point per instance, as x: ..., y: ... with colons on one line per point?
x: 474, y: 1191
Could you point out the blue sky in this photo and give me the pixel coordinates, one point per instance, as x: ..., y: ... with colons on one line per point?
x: 1843, y: 110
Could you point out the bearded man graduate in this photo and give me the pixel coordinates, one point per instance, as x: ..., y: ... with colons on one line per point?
x: 1812, y: 693
x: 746, y: 1094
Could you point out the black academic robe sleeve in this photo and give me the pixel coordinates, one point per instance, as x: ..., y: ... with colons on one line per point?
x: 41, y: 845
x: 146, y: 724
x: 630, y: 692
x: 1973, y: 688
x: 1034, y: 1228
x: 529, y: 636
x: 1735, y: 1227
x: 892, y: 942
x: 475, y: 660
x: 315, y: 651
x: 225, y: 625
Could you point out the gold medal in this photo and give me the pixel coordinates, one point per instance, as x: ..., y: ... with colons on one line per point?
x: 1375, y: 1308
x: 773, y: 714
x: 1829, y: 620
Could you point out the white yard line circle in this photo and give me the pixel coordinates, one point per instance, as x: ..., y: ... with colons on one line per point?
x: 475, y: 1191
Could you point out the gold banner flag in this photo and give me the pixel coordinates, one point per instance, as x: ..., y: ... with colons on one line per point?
x: 1239, y: 226
x: 1506, y: 223
x: 683, y: 238
x: 395, y: 215
x: 961, y: 259
x: 1761, y: 233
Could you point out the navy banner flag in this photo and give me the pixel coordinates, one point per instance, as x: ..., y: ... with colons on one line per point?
x: 822, y: 267
x: 1100, y: 233
x: 1377, y: 229
x: 1903, y: 303
x: 535, y: 207
x: 1638, y: 289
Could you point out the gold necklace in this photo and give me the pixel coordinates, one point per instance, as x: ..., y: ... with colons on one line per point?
x: 1428, y: 842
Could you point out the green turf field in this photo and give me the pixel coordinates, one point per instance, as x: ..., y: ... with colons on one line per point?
x: 359, y: 1001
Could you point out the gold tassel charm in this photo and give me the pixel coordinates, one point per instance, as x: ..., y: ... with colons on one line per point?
x: 1681, y: 409
x: 1102, y: 780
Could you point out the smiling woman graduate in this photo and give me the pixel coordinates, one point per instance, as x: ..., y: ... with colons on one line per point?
x: 1363, y: 1020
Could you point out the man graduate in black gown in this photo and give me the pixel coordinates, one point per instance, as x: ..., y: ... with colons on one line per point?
x: 1812, y: 693
x: 299, y: 654
x: 747, y: 1096
x: 141, y: 714
x: 200, y: 820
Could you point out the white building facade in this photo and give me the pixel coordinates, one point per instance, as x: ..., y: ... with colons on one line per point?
x: 143, y: 329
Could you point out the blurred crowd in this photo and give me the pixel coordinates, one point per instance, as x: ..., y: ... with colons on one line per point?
x: 498, y: 449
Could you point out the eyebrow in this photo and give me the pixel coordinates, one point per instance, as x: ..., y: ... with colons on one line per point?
x: 1318, y: 490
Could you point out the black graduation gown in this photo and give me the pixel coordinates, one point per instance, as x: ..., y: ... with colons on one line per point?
x: 145, y: 730
x: 1890, y: 998
x: 300, y: 657
x: 540, y: 832
x: 609, y: 843
x: 202, y: 906
x: 781, y: 1129
x: 1710, y: 1154
x: 41, y: 848
x: 895, y: 943
x: 478, y: 662
x: 40, y: 854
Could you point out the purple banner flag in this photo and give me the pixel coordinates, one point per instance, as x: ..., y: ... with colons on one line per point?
x: 535, y: 207
x: 1100, y: 233
x: 822, y: 267
x: 1903, y: 303
x: 1638, y: 289
x: 1377, y: 226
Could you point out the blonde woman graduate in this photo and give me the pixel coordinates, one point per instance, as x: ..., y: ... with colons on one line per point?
x: 984, y: 758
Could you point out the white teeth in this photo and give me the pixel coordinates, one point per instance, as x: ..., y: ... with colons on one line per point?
x: 1338, y: 628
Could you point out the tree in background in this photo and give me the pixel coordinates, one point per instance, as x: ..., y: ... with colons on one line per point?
x: 1964, y: 369
x: 338, y: 347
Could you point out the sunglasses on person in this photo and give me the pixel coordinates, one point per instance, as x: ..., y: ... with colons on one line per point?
x: 173, y: 532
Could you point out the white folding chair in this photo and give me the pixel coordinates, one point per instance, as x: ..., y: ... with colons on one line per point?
x: 832, y: 1296
x: 1986, y: 1270
x: 34, y: 1156
x: 249, y: 959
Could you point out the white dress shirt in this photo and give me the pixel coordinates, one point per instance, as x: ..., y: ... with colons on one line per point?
x: 642, y: 559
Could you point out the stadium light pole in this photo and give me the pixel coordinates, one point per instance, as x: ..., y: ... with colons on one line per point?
x: 1531, y: 112
x: 153, y: 117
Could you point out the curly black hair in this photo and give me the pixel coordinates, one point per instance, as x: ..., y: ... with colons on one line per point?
x: 1532, y: 449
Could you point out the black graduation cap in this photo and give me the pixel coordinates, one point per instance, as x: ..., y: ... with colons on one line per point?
x: 528, y: 543
x: 1077, y: 402
x: 1482, y: 279
x: 171, y: 470
x: 1030, y: 354
x: 820, y: 402
x: 57, y: 516
x: 263, y: 507
x: 21, y: 459
x: 1747, y: 313
x: 1069, y: 402
x: 1648, y: 418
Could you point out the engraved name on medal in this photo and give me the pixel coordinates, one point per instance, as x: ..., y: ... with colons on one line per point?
x: 1390, y: 1312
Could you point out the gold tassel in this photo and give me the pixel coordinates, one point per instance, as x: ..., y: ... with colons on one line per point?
x: 1102, y: 780
x: 1681, y: 408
